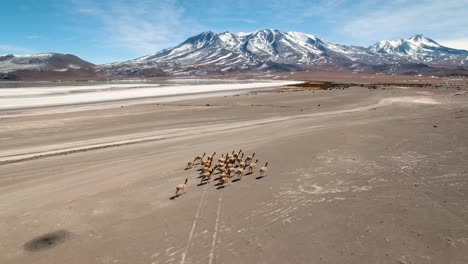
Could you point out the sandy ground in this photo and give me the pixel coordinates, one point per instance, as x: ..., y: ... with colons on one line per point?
x: 355, y: 176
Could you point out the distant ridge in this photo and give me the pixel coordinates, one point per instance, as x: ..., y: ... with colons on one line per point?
x: 45, y: 66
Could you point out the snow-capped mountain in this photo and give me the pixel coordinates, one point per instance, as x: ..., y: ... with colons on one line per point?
x: 418, y: 49
x: 261, y: 50
x: 276, y: 50
x: 405, y: 47
x: 44, y: 66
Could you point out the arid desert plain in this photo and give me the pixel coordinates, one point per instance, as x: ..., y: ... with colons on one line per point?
x: 361, y: 171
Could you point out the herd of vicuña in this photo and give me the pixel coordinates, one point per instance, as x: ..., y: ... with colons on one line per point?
x: 228, y: 166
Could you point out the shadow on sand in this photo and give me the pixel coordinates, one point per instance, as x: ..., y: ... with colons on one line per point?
x: 174, y: 196
x: 47, y: 240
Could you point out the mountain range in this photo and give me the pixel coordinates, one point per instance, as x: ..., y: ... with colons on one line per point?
x: 266, y: 50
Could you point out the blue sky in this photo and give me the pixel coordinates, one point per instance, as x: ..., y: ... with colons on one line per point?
x: 115, y: 30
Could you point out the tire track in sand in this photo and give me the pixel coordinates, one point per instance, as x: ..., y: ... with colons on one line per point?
x: 216, y: 229
x: 194, y: 225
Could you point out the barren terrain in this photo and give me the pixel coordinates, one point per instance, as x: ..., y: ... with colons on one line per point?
x: 359, y: 174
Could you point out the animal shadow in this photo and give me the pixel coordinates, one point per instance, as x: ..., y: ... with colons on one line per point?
x: 235, y: 180
x: 46, y: 241
x: 175, y: 196
x: 259, y: 177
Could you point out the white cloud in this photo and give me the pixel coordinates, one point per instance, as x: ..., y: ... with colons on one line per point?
x: 143, y: 26
x: 34, y: 37
x: 461, y: 43
x: 434, y: 18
